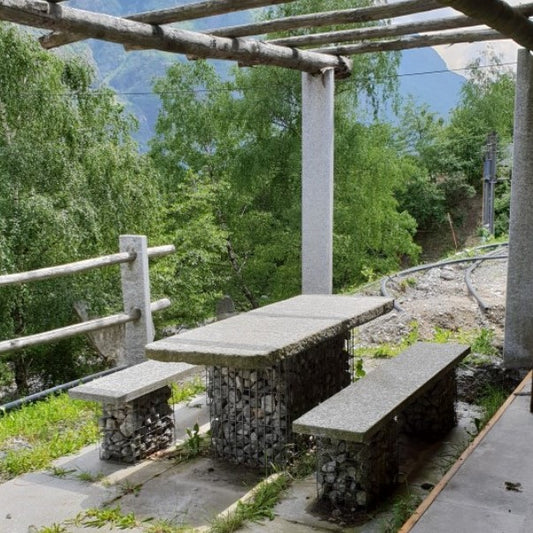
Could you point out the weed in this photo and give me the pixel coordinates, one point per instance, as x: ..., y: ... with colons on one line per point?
x: 484, y: 342
x: 54, y: 528
x: 127, y: 487
x: 165, y: 526
x: 105, y: 517
x: 358, y: 370
x: 182, y: 393
x: 265, y: 497
x: 402, y: 509
x: 57, y: 471
x: 90, y: 477
x: 194, y: 441
x: 490, y: 399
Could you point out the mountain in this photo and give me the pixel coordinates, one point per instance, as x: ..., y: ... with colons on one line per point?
x: 131, y: 74
x: 423, y: 74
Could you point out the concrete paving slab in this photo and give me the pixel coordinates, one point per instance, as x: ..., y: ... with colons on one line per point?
x: 39, y: 499
x: 492, y: 489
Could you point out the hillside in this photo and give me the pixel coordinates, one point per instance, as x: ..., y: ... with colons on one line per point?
x: 131, y: 74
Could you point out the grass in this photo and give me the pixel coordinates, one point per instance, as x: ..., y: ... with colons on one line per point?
x: 109, y: 516
x: 490, y: 399
x: 33, y: 436
x: 258, y: 508
x: 402, y: 509
x: 184, y: 392
x: 36, y: 434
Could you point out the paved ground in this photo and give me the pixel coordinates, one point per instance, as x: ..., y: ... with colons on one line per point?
x: 491, y: 490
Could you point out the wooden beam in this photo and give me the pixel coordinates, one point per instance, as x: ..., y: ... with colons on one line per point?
x: 193, y: 11
x: 328, y: 18
x: 498, y: 15
x: 393, y: 30
x: 41, y: 14
x: 415, y: 41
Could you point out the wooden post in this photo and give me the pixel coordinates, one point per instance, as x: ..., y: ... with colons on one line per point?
x: 518, y: 342
x: 136, y: 295
x: 317, y: 182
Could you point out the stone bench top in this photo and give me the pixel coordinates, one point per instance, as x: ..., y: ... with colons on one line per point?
x: 264, y: 336
x: 356, y: 412
x: 131, y: 383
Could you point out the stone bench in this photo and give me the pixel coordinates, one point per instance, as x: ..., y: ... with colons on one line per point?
x: 357, y: 428
x: 136, y: 417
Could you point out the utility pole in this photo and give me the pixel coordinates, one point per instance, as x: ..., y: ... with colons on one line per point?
x: 489, y: 181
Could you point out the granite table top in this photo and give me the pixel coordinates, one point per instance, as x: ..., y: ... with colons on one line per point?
x: 262, y: 337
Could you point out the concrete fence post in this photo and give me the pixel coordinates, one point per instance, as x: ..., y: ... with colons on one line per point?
x: 518, y: 342
x: 317, y: 182
x: 135, y: 280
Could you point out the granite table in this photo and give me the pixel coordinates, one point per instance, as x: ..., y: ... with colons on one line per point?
x: 268, y: 366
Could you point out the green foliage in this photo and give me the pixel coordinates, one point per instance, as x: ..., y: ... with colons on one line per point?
x: 265, y: 497
x: 109, y: 516
x: 232, y: 148
x: 446, y: 158
x: 480, y: 340
x: 182, y: 393
x: 34, y: 435
x: 402, y: 509
x: 71, y: 181
x: 193, y: 443
x: 490, y: 399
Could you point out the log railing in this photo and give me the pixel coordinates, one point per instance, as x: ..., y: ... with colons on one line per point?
x: 137, y: 315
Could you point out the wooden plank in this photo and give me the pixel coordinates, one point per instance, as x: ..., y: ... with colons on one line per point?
x: 48, y: 337
x: 193, y: 11
x: 140, y: 35
x: 414, y: 41
x: 393, y: 30
x: 328, y: 18
x: 498, y: 15
x: 80, y: 266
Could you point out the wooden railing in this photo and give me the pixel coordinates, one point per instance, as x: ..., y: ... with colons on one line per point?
x: 135, y: 282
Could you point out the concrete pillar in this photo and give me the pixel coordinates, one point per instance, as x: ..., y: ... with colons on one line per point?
x: 518, y: 344
x: 135, y: 279
x: 317, y: 182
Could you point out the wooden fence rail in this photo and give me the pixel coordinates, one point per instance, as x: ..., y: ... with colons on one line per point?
x: 135, y: 284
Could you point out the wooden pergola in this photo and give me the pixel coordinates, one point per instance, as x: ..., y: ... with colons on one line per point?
x: 306, y: 43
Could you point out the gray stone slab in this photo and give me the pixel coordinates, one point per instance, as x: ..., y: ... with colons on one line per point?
x: 264, y: 336
x: 358, y: 411
x: 130, y: 383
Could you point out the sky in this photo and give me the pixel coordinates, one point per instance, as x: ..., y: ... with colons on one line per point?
x: 458, y: 56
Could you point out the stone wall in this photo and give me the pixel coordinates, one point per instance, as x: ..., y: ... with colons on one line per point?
x: 135, y: 430
x: 431, y: 415
x: 353, y: 475
x: 251, y: 411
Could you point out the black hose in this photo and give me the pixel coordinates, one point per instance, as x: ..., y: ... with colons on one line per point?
x: 15, y: 404
x: 429, y: 266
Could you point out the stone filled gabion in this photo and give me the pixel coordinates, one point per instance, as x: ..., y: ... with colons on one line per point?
x: 432, y: 415
x: 134, y: 430
x: 352, y: 475
x: 251, y: 411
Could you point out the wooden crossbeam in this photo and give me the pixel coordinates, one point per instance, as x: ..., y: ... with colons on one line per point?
x: 41, y: 14
x: 415, y: 41
x: 193, y: 11
x: 498, y: 15
x: 393, y: 30
x: 328, y: 18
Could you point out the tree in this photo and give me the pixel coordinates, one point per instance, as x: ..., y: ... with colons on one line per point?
x: 70, y: 182
x: 241, y: 140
